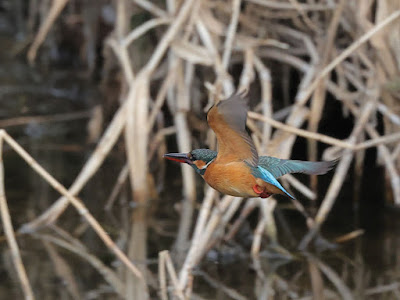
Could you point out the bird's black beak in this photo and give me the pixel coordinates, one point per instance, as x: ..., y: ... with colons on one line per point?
x: 179, y: 157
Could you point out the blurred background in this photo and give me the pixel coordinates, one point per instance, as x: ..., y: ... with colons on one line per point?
x: 98, y: 91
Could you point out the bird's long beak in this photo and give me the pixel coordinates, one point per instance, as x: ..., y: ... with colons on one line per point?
x: 179, y: 157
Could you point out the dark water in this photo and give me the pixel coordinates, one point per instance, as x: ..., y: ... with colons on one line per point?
x: 368, y: 266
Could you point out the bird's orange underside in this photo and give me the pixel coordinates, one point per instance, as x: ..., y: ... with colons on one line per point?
x: 233, y: 178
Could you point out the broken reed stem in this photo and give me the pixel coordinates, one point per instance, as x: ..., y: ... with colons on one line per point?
x: 80, y: 207
x: 9, y: 231
x: 56, y: 7
x: 349, y: 236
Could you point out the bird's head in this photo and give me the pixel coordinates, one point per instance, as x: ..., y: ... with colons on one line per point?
x: 198, y: 159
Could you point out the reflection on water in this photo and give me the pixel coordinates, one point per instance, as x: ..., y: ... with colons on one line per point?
x: 367, y: 267
x: 364, y: 268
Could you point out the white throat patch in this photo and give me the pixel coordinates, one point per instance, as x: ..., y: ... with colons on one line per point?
x: 206, y: 165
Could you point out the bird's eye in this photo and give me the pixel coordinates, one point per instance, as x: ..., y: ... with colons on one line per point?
x: 192, y: 157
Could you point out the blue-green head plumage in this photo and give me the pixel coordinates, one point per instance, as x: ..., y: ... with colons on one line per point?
x: 205, y: 155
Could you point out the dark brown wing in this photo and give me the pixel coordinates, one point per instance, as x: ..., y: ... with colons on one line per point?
x: 228, y: 120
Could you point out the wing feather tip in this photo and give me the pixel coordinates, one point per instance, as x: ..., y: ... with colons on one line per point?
x: 322, y: 167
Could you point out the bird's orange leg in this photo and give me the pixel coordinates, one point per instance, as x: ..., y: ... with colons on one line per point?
x: 257, y: 189
x: 261, y: 191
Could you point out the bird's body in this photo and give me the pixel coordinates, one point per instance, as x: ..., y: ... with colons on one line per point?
x: 232, y: 178
x: 237, y: 169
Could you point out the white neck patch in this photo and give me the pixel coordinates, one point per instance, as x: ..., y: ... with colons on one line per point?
x: 206, y: 165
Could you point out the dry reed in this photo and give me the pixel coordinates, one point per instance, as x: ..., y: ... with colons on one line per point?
x: 9, y: 232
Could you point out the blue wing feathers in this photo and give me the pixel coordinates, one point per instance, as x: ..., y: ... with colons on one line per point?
x: 279, y: 167
x: 267, y: 176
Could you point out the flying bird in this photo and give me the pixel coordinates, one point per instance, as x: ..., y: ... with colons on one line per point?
x: 236, y: 169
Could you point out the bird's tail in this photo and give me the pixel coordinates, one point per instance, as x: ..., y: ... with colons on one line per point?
x: 279, y: 167
x: 313, y: 168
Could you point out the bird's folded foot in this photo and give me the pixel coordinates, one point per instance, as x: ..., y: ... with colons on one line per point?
x: 262, y: 193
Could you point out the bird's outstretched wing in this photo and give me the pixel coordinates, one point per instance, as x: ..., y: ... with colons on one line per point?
x: 279, y: 167
x: 228, y: 120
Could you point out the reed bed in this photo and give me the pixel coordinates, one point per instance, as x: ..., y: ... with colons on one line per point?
x: 292, y: 57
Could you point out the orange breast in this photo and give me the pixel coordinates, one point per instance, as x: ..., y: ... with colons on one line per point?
x: 235, y: 179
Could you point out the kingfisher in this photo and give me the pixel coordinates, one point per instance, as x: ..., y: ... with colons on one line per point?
x: 236, y: 169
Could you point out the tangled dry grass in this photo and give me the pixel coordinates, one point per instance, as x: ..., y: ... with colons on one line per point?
x: 345, y: 50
